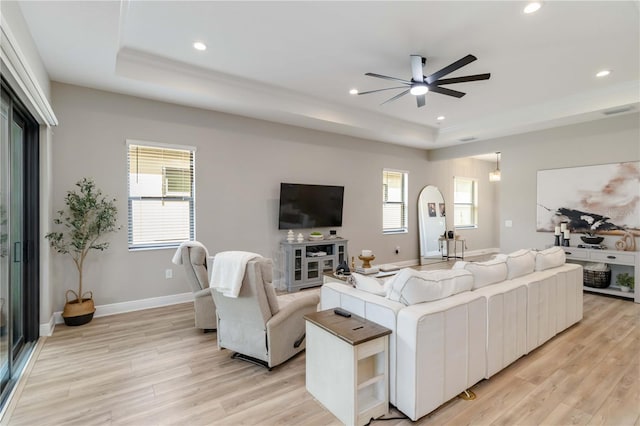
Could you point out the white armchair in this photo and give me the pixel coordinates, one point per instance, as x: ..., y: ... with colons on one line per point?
x: 193, y: 257
x: 258, y: 325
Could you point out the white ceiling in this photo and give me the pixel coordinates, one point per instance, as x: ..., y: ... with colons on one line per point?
x: 294, y: 62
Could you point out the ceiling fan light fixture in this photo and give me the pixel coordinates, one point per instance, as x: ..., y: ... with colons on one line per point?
x: 418, y: 89
x: 494, y: 176
x: 532, y: 7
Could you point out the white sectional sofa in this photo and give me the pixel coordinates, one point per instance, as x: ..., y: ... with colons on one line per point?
x: 451, y: 329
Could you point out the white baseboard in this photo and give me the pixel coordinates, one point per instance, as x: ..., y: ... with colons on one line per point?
x: 46, y: 329
x: 481, y: 252
x: 414, y: 262
x: 120, y: 308
x: 402, y: 263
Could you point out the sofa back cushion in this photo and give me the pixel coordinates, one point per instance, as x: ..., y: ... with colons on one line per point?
x: 550, y: 258
x: 485, y: 273
x: 519, y: 263
x: 369, y: 284
x: 410, y: 286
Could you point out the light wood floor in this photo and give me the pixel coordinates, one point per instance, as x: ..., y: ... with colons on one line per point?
x: 153, y: 368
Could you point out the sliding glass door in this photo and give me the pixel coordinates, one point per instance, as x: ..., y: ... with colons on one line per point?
x: 18, y: 237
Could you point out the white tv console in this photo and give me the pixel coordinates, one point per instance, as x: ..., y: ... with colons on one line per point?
x: 619, y: 261
x: 305, y: 262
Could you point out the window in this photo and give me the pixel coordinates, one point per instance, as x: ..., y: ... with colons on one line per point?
x: 394, y: 201
x: 465, y: 203
x: 161, y: 194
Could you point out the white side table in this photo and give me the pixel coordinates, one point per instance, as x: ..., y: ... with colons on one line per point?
x: 347, y: 366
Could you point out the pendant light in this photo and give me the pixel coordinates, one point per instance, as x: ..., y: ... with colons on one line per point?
x: 494, y: 176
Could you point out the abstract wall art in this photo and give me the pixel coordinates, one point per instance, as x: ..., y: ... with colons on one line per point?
x: 602, y: 198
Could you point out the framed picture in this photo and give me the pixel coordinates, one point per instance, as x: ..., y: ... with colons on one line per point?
x: 603, y: 198
x: 432, y: 209
x: 441, y: 205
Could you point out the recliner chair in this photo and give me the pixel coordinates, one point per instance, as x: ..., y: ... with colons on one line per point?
x: 258, y: 325
x: 194, y: 260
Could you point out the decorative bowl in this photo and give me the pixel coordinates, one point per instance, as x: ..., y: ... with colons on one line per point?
x: 591, y: 240
x: 316, y: 237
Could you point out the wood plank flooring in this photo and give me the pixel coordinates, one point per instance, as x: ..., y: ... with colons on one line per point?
x: 153, y: 367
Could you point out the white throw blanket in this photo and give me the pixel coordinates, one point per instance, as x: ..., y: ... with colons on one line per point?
x: 177, y: 257
x: 228, y: 271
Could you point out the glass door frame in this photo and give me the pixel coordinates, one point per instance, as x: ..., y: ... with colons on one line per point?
x: 29, y: 247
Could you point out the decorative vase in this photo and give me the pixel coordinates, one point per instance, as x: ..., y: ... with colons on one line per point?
x: 290, y: 236
x: 300, y: 237
x: 366, y: 261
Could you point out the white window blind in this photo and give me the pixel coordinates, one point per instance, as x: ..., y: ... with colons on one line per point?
x: 394, y: 201
x: 161, y: 195
x: 465, y: 196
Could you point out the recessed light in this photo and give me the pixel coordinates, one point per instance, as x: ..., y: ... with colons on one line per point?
x: 353, y: 91
x: 440, y: 118
x: 198, y: 45
x: 532, y: 7
x: 603, y: 73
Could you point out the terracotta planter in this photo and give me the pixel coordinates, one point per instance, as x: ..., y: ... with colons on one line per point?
x: 78, y: 311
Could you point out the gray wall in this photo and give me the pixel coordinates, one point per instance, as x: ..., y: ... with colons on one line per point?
x: 12, y: 14
x: 609, y: 140
x: 240, y: 163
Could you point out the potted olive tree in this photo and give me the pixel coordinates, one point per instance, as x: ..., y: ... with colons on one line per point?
x: 88, y: 217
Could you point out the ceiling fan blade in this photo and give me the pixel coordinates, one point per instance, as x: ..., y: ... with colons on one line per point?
x: 450, y: 68
x: 371, y: 74
x: 416, y: 68
x: 380, y: 90
x: 420, y: 99
x: 396, y: 97
x: 445, y: 91
x: 463, y: 79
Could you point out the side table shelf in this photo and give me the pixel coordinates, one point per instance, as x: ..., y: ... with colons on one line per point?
x: 619, y: 261
x: 347, y: 366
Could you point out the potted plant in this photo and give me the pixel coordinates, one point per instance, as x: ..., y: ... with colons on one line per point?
x: 625, y: 281
x: 87, y: 217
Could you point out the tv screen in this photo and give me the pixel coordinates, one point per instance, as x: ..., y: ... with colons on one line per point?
x: 310, y: 206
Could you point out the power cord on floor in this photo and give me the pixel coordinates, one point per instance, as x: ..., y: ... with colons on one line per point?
x: 382, y: 419
x: 386, y: 418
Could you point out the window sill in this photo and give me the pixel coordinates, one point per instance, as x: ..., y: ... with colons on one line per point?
x: 171, y: 247
x: 401, y: 231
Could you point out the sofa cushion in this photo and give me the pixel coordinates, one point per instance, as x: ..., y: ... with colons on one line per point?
x: 410, y: 286
x: 369, y: 284
x: 550, y: 258
x: 484, y: 273
x: 519, y: 263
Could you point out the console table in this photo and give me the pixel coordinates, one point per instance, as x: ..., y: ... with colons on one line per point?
x: 619, y: 261
x: 445, y: 243
x: 347, y: 366
x: 305, y: 262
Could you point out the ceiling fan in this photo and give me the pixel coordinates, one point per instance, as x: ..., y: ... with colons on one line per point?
x: 421, y: 84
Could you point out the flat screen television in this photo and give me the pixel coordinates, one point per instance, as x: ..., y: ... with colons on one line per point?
x: 310, y: 206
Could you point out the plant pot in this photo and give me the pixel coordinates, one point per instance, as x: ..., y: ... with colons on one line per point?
x: 625, y: 289
x: 78, y: 311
